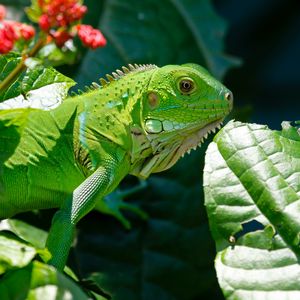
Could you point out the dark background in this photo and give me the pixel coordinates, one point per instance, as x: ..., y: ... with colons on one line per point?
x: 266, y: 36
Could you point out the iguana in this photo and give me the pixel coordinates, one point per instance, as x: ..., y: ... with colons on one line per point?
x: 139, y: 121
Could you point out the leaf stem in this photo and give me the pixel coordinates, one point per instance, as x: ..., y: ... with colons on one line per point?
x: 21, y: 66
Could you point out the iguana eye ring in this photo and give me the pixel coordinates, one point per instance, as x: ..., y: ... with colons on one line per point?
x: 186, y: 85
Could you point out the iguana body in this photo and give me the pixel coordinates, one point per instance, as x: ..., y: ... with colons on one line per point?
x: 70, y: 157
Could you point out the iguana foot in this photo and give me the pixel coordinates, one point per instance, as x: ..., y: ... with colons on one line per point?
x: 113, y: 203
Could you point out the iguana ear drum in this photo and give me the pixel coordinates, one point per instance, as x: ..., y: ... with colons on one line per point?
x: 153, y: 100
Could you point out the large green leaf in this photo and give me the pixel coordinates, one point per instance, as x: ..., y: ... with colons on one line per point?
x: 158, y: 32
x: 252, y: 195
x: 37, y: 86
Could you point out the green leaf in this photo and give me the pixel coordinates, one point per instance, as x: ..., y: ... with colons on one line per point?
x: 34, y: 11
x: 39, y: 281
x: 36, y: 87
x: 31, y: 234
x: 14, y: 253
x: 252, y: 196
x: 158, y: 32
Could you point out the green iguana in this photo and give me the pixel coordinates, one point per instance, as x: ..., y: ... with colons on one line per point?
x: 140, y: 121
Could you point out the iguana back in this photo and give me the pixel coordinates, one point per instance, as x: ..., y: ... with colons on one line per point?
x: 45, y: 155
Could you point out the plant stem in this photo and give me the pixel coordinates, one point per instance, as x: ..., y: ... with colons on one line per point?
x: 21, y: 66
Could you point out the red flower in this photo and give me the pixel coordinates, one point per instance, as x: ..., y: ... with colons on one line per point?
x: 44, y: 22
x: 59, y: 18
x: 60, y: 13
x: 91, y: 37
x: 41, y: 3
x: 76, y: 12
x: 24, y: 31
x: 11, y: 31
x: 7, y: 37
x: 60, y: 37
x: 21, y: 30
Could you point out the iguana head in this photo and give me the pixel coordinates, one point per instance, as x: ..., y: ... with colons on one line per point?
x: 182, y: 105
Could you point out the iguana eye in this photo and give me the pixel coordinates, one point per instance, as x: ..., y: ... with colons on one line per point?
x: 186, y: 85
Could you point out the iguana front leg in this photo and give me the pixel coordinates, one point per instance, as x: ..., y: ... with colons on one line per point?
x: 82, y: 201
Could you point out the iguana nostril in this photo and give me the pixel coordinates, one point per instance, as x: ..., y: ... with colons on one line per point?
x: 229, y: 96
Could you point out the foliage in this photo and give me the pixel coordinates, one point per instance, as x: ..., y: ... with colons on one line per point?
x: 251, y: 175
x: 33, y: 279
x: 251, y: 182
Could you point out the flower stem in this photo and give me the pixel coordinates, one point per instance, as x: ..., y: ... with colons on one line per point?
x: 21, y: 66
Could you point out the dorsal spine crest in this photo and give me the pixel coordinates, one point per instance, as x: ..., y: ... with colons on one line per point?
x: 126, y: 70
x: 118, y: 74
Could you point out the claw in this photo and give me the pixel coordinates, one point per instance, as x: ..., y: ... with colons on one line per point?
x: 113, y: 203
x: 135, y: 209
x: 123, y: 220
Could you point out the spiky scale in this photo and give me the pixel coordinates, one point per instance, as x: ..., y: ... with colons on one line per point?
x: 126, y: 70
x: 110, y: 78
x: 95, y: 85
x: 120, y: 73
x: 131, y: 67
x: 115, y: 75
x: 103, y: 82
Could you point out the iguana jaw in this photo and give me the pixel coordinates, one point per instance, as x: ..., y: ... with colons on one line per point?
x: 196, y: 138
x: 191, y: 139
x: 166, y: 152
